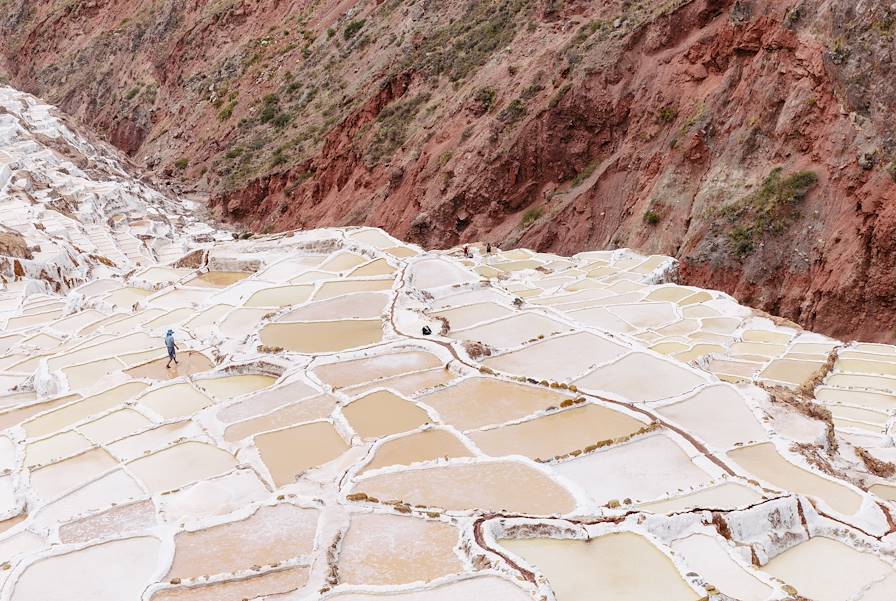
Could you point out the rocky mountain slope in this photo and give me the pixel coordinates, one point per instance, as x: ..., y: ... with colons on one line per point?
x: 753, y: 139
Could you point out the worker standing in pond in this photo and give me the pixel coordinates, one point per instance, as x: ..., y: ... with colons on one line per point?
x: 169, y: 342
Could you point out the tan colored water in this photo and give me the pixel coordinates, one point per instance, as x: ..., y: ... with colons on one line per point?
x: 488, y: 486
x: 74, y: 412
x: 728, y: 495
x: 342, y: 261
x: 408, y: 385
x: 241, y: 322
x: 156, y: 439
x: 374, y: 268
x: 558, y: 433
x: 418, y: 447
x: 270, y: 535
x: 878, y: 383
x: 790, y: 371
x: 469, y: 315
x: 363, y: 305
x: 266, y: 400
x: 228, y: 387
x: 270, y: 583
x: 126, y: 297
x: 180, y: 465
x: 16, y: 416
x: 621, y: 566
x: 764, y: 461
x: 322, y: 336
x: 707, y: 556
x: 289, y: 452
x: 823, y: 569
x: 177, y: 400
x: 218, y: 279
x: 189, y: 363
x: 357, y: 371
x: 382, y: 413
x: 52, y: 480
x: 718, y: 415
x: 84, y: 375
x: 280, y: 296
x: 307, y: 410
x: 382, y: 549
x: 476, y: 402
x: 333, y: 289
x: 127, y: 567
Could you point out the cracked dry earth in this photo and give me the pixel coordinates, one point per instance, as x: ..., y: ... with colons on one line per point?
x: 574, y: 428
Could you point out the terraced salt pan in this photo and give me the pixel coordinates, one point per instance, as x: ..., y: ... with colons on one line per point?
x: 826, y: 570
x: 266, y: 400
x: 560, y: 358
x: 719, y: 415
x: 417, y: 447
x: 179, y: 465
x: 764, y: 461
x: 289, y: 452
x: 189, y: 363
x: 707, y: 556
x: 382, y: 549
x: 363, y: 305
x: 357, y: 371
x: 307, y: 410
x: 71, y: 413
x: 727, y: 495
x: 488, y: 486
x: 614, y: 564
x: 642, y: 470
x: 382, y: 413
x: 476, y: 402
x: 477, y: 587
x: 322, y: 336
x: 270, y: 583
x: 332, y: 289
x: 557, y: 433
x: 470, y: 315
x: 640, y: 377
x: 218, y: 279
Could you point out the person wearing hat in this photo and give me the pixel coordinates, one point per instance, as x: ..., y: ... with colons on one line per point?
x: 169, y: 342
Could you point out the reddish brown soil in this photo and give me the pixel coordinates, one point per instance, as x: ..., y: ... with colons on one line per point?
x: 597, y: 124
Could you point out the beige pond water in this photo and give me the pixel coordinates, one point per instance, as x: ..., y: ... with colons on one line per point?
x: 374, y: 268
x: 469, y: 315
x: 560, y: 358
x: 289, y: 452
x: 760, y: 349
x: 26, y: 321
x: 418, y: 447
x: 138, y: 445
x: 342, y: 261
x: 126, y: 297
x: 180, y: 465
x: 128, y: 565
x: 764, y: 462
x: 218, y: 279
x: 336, y: 288
x: 647, y: 315
x: 364, y: 305
x: 307, y: 410
x: 699, y: 350
x: 14, y: 417
x: 883, y: 491
x: 171, y: 318
x: 488, y: 486
x: 270, y: 583
x: 479, y: 401
x: 558, y: 433
x: 54, y: 448
x: 646, y: 468
x: 322, y: 336
x: 188, y: 363
x: 280, y: 296
x: 87, y: 374
x: 207, y: 318
x: 229, y: 387
x: 473, y: 588
x: 177, y: 400
x: 52, y: 480
x: 728, y: 495
x: 122, y: 344
x: 180, y: 297
x: 381, y: 549
x: 408, y: 385
x: 75, y: 412
x: 512, y: 331
x: 382, y: 413
x: 790, y: 371
x: 240, y: 322
x: 707, y: 556
x: 640, y: 377
x: 115, y: 425
x: 823, y: 569
x: 266, y: 400
x: 600, y: 318
x: 616, y: 564
x: 401, y: 252
x: 270, y: 535
x: 880, y: 383
x: 718, y: 415
x: 356, y: 371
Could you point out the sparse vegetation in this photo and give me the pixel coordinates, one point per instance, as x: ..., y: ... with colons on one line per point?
x: 181, y: 163
x: 768, y: 210
x: 353, y: 28
x: 667, y: 114
x: 558, y: 95
x: 584, y: 174
x: 227, y: 112
x: 485, y: 98
x: 392, y: 125
x: 651, y: 217
x: 531, y: 216
x: 132, y: 93
x: 513, y: 112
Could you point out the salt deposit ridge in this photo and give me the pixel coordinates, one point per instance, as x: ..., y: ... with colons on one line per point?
x: 573, y: 428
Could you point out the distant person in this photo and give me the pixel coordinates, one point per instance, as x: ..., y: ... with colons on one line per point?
x: 466, y: 251
x: 172, y: 348
x: 488, y: 248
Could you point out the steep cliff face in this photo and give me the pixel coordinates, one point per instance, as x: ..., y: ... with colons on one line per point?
x: 753, y: 140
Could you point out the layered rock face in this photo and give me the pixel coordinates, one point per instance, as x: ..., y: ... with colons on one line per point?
x: 558, y: 125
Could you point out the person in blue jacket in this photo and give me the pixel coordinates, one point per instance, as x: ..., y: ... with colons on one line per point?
x: 172, y: 347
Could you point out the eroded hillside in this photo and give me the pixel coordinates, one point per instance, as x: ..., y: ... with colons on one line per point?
x: 752, y: 140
